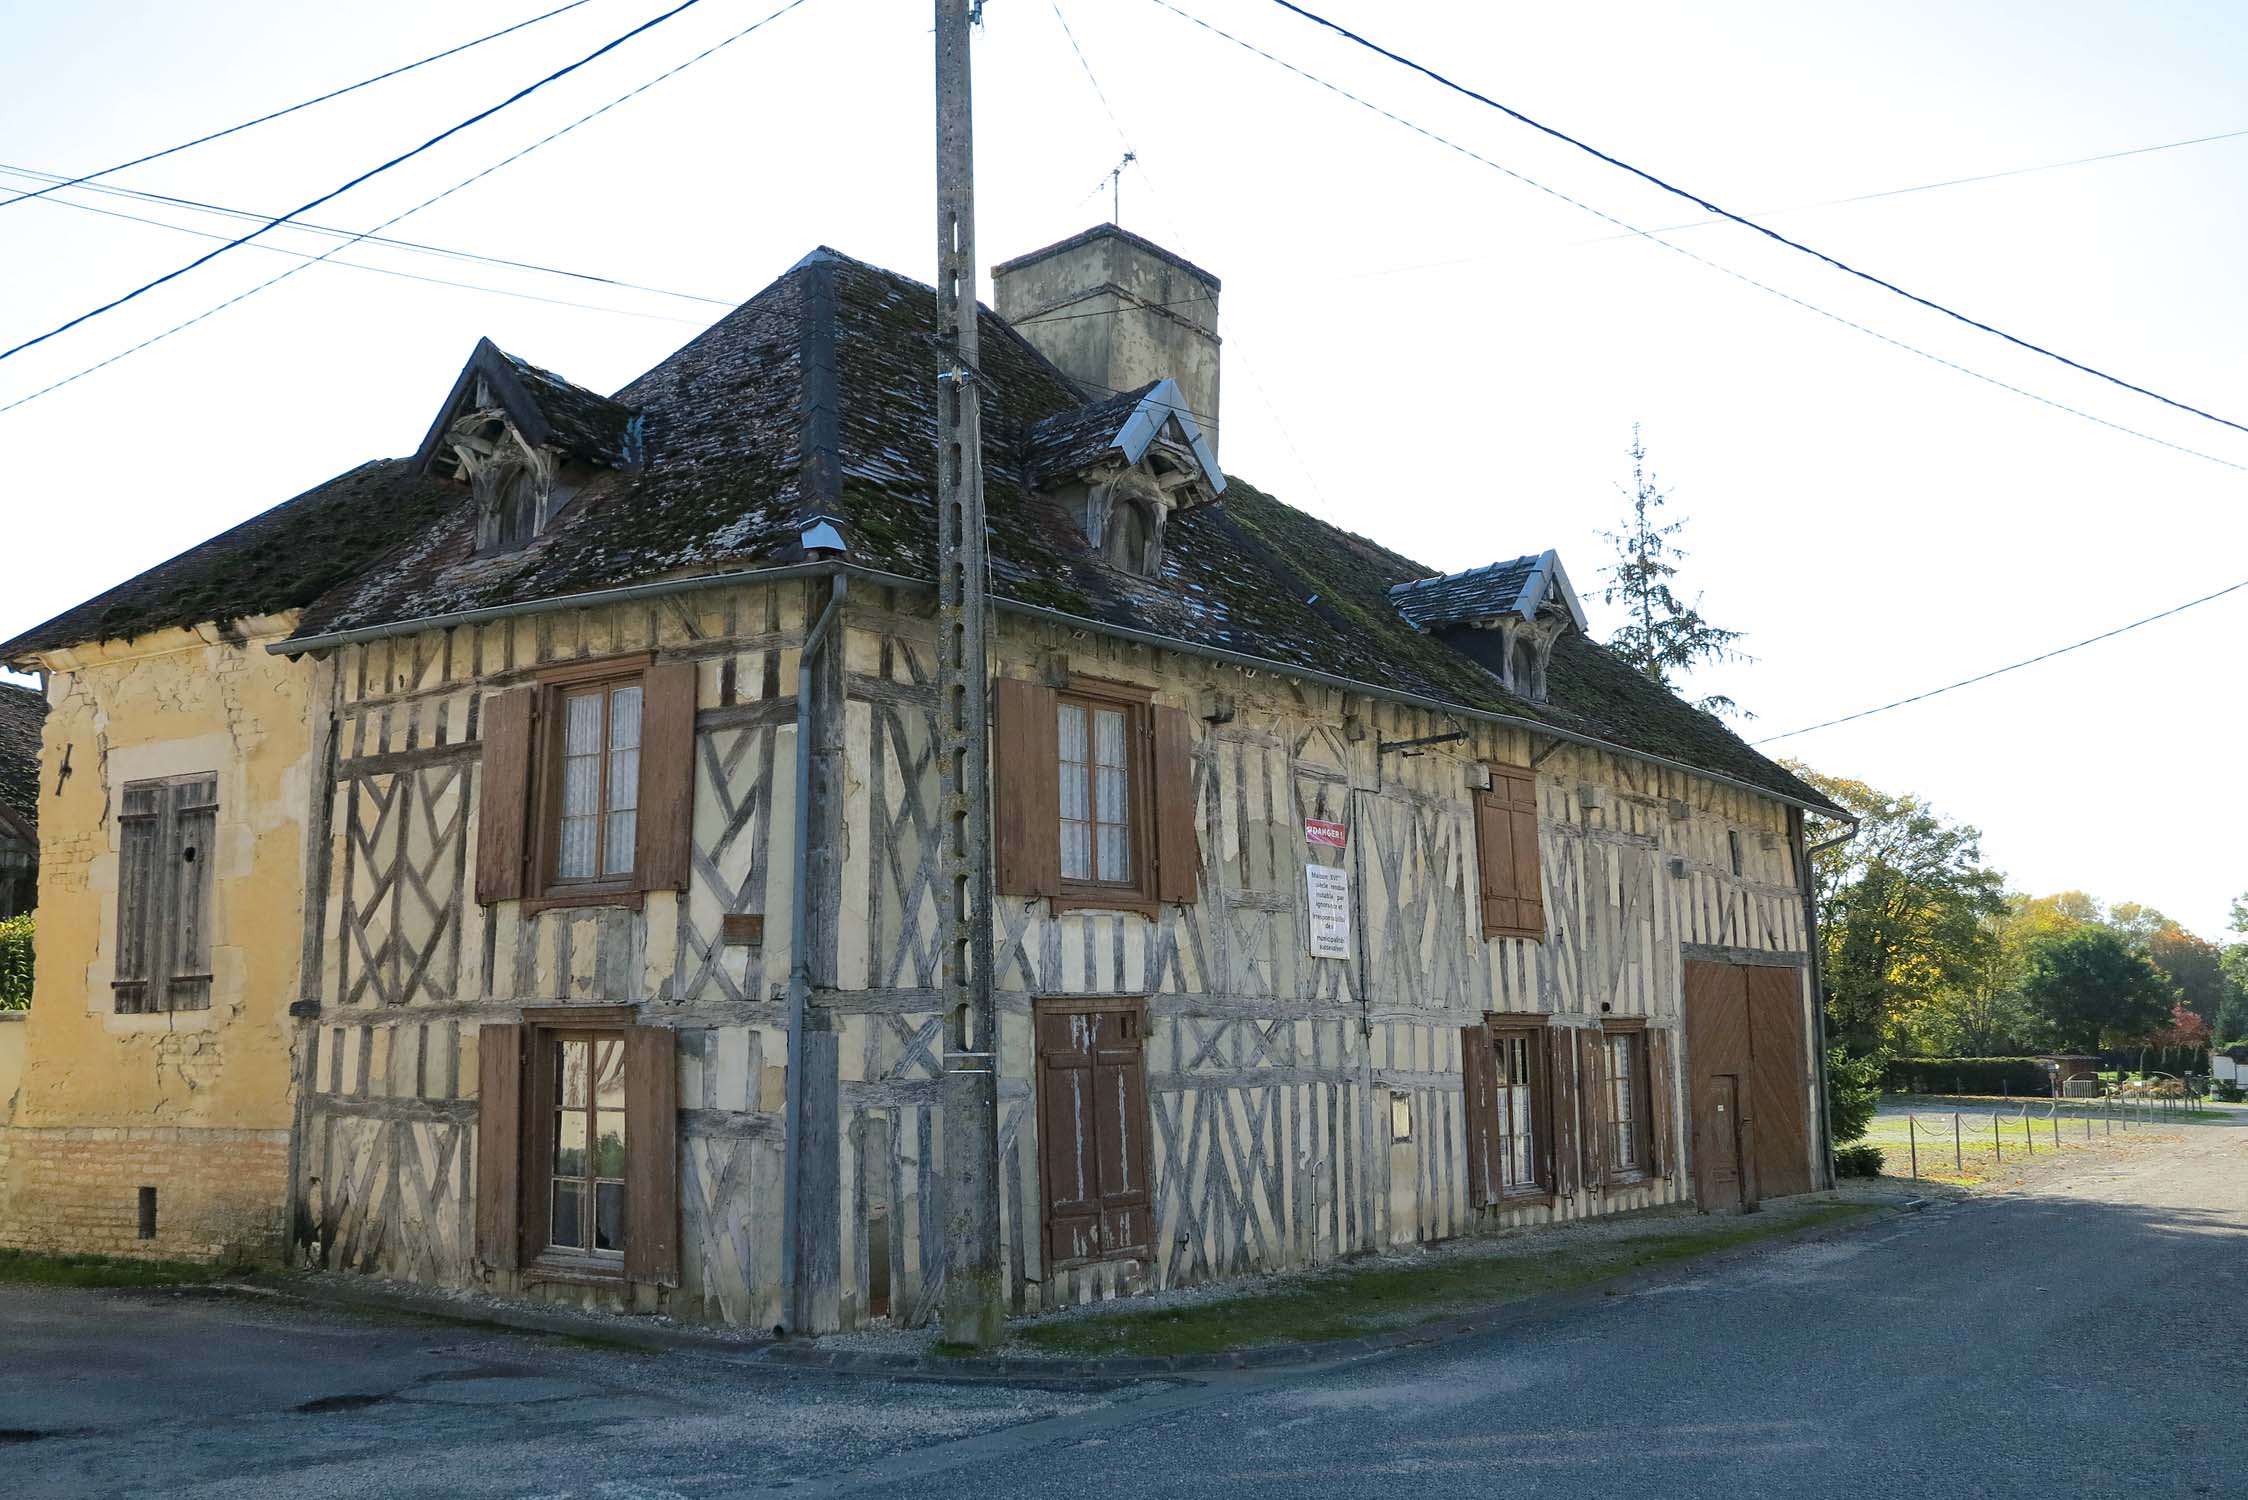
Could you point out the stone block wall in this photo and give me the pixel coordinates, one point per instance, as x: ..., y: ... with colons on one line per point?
x: 220, y: 1194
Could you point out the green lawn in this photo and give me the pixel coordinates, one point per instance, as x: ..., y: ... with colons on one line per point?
x: 99, y: 1270
x: 1354, y: 1301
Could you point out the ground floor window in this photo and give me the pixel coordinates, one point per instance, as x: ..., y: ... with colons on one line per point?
x: 577, y: 1145
x: 584, y: 1179
x: 1503, y: 1071
x: 1625, y: 1108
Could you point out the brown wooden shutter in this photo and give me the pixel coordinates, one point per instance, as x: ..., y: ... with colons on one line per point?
x: 1067, y: 1155
x: 1660, y: 1104
x: 140, y: 841
x: 651, y: 1155
x: 666, y: 824
x: 1178, y: 855
x: 1479, y: 1104
x: 1561, y: 1069
x: 504, y: 795
x: 1592, y: 1098
x: 499, y: 1145
x: 1120, y: 1133
x: 187, y: 949
x: 1506, y: 846
x: 1026, y: 789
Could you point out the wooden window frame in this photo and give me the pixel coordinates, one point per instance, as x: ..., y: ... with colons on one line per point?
x: 547, y: 888
x: 1139, y: 893
x: 160, y: 914
x: 1136, y: 1007
x: 1534, y: 1031
x: 1643, y: 1166
x: 545, y: 1026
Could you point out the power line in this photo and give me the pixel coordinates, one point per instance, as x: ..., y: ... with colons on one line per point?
x: 1951, y: 182
x: 360, y: 265
x: 416, y: 246
x: 1724, y: 213
x: 1655, y: 238
x: 2104, y: 635
x: 204, y: 140
x: 521, y: 93
x: 717, y: 46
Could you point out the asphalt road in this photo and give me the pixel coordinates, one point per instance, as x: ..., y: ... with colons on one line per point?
x: 2061, y: 1341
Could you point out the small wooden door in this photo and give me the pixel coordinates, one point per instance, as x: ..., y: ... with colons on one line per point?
x: 1717, y: 1142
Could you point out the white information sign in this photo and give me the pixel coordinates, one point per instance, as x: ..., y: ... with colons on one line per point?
x: 1327, y: 893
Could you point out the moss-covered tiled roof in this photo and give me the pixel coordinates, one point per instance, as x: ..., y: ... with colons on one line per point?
x: 22, y: 712
x: 280, y: 559
x: 817, y: 398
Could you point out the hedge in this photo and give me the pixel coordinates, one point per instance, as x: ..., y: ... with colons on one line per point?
x: 1967, y: 1075
x: 15, y: 963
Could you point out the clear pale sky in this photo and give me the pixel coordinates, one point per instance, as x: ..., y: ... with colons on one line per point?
x: 1416, y: 346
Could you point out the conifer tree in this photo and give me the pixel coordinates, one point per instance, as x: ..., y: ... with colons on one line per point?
x: 1662, y: 635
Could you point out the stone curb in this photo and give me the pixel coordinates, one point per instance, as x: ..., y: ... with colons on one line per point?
x: 331, y: 1289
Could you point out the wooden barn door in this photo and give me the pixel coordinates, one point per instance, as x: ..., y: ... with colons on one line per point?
x: 1780, y: 1087
x: 1748, y: 1093
x: 1717, y: 1060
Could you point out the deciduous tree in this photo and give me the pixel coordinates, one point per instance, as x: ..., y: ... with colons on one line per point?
x: 2086, y: 984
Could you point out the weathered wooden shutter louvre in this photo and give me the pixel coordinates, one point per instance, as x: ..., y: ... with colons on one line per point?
x: 1506, y: 830
x: 503, y: 795
x: 651, y: 1155
x: 1120, y: 1133
x: 194, y: 825
x: 1479, y: 1102
x: 499, y: 1145
x: 1066, y: 1137
x: 1596, y: 1099
x: 140, y: 820
x: 1661, y: 1153
x: 1178, y: 855
x: 1025, y: 789
x: 1561, y: 1068
x: 665, y: 825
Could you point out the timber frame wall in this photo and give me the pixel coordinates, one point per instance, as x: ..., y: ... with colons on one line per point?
x: 1269, y: 1073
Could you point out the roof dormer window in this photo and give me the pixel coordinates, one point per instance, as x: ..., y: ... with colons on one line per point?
x: 1132, y: 533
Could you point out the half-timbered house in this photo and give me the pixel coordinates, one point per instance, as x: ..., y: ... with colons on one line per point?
x: 1340, y: 904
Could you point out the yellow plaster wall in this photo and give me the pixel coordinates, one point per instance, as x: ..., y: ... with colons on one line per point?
x: 197, y: 1103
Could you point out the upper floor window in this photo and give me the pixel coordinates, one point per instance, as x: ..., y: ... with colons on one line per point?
x: 1098, y: 808
x: 598, y: 752
x: 587, y: 784
x: 165, y: 829
x: 1093, y: 795
x: 1132, y: 536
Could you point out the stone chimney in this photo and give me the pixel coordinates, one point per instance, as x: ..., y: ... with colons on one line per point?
x: 1115, y: 312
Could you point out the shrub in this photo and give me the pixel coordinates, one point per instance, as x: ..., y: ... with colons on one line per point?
x: 15, y: 963
x: 1853, y: 1091
x: 1857, y: 1161
x: 1967, y: 1075
x: 2225, y: 1093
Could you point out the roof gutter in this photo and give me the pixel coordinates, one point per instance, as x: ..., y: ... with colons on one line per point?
x: 686, y: 584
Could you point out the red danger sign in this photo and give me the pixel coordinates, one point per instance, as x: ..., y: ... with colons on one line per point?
x: 1320, y: 831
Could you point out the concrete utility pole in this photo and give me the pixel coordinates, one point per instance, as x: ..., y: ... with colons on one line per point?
x: 974, y: 1303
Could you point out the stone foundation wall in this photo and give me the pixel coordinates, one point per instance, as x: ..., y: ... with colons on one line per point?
x: 220, y: 1194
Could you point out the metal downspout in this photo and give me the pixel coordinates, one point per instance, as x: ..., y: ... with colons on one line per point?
x: 1812, y: 944
x: 799, y: 959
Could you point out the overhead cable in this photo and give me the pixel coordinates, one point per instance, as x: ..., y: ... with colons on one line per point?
x: 204, y: 140
x: 1727, y: 214
x: 2105, y: 635
x: 1655, y: 238
x: 717, y: 46
x: 520, y: 94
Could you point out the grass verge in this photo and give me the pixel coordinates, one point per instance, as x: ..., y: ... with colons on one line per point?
x: 1355, y: 1301
x: 24, y: 1268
